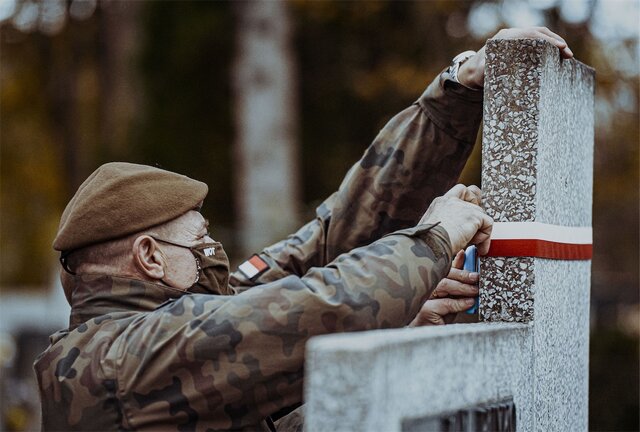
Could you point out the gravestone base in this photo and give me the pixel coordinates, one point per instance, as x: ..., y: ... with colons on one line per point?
x: 395, y: 380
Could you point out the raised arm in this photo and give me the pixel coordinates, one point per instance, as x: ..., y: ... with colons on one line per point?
x: 417, y: 156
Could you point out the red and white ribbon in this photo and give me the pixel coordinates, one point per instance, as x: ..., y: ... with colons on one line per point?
x: 535, y: 239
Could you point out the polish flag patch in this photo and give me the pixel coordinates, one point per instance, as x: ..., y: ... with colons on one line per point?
x: 253, y: 267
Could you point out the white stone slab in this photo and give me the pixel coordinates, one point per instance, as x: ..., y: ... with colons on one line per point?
x: 373, y: 381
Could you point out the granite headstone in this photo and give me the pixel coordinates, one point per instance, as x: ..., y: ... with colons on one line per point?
x: 528, y: 357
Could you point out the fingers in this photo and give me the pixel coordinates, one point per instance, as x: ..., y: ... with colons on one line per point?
x: 537, y: 32
x: 552, y: 35
x: 461, y: 220
x: 458, y: 283
x: 556, y: 40
x: 475, y: 193
x: 457, y: 191
x: 459, y: 305
x: 464, y: 276
x: 459, y: 213
x: 478, y: 228
x: 446, y: 306
x: 482, y: 237
x: 471, y: 194
x: 448, y: 287
x: 438, y: 311
x: 458, y: 260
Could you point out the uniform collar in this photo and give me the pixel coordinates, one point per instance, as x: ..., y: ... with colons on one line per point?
x: 97, y: 295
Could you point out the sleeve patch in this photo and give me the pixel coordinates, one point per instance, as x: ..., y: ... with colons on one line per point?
x: 253, y: 267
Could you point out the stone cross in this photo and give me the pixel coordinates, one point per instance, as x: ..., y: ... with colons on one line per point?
x: 538, y: 167
x: 525, y: 365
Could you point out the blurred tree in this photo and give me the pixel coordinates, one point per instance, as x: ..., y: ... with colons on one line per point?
x: 120, y: 98
x: 265, y: 162
x: 45, y: 82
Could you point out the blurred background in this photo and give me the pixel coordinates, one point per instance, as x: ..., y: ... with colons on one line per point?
x: 270, y: 104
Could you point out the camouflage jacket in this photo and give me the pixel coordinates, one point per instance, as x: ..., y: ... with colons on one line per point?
x: 141, y: 356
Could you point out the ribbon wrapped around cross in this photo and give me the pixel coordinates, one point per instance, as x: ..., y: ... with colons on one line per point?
x: 536, y: 239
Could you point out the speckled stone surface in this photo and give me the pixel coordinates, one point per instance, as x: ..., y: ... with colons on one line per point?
x: 373, y: 381
x: 537, y: 158
x: 506, y: 293
x: 509, y: 169
x: 538, y: 166
x: 510, y: 129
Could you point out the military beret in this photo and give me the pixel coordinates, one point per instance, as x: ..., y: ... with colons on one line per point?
x: 121, y: 198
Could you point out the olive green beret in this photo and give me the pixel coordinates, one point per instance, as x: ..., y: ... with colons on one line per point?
x: 121, y: 198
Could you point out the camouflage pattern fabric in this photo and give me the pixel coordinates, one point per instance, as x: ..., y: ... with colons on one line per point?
x: 142, y: 356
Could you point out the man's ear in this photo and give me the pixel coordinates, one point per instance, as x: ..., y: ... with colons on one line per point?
x: 147, y: 257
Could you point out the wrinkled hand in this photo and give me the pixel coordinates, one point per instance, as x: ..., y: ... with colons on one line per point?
x: 441, y: 308
x: 471, y: 73
x: 459, y: 212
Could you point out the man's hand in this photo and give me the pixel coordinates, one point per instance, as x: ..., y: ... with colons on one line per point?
x: 440, y: 308
x: 459, y: 212
x: 471, y: 73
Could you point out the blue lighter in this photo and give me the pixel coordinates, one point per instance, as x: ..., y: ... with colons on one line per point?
x: 471, y: 264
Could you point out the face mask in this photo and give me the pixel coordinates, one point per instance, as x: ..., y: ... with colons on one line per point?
x: 213, y: 269
x: 212, y: 264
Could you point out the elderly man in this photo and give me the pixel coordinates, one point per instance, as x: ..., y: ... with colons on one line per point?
x: 162, y: 337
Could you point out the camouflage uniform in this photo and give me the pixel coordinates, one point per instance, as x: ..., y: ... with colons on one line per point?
x: 141, y: 356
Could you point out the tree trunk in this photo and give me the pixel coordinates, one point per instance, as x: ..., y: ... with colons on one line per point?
x: 265, y: 153
x: 119, y: 101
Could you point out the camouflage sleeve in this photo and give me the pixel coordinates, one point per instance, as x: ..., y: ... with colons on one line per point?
x: 240, y: 358
x: 416, y: 157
